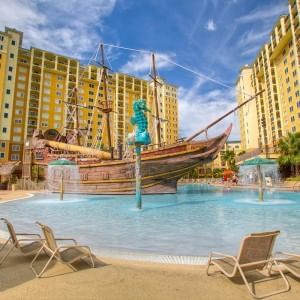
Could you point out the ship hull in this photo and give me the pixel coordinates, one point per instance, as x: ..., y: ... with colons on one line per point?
x: 160, y: 169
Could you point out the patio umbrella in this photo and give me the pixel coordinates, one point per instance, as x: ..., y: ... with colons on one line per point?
x: 258, y: 162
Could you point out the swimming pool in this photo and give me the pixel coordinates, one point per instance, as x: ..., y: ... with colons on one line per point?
x: 195, y: 221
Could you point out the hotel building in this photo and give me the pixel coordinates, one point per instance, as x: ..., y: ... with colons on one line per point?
x: 276, y: 70
x: 36, y: 85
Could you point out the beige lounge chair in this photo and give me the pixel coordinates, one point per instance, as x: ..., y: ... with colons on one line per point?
x: 290, y: 262
x: 27, y: 246
x: 255, y: 254
x: 67, y: 254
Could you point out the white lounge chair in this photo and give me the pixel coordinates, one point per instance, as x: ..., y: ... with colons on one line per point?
x: 255, y: 254
x: 67, y: 254
x: 27, y: 246
x: 290, y: 262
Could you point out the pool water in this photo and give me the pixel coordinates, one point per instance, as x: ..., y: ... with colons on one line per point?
x: 195, y: 221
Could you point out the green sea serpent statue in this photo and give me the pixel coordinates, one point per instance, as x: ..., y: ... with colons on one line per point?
x: 138, y: 138
x: 141, y: 135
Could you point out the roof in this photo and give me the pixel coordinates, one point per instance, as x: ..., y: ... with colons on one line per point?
x: 8, y: 168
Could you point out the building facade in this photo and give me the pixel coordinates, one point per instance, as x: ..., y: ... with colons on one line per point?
x: 36, y: 85
x: 276, y: 71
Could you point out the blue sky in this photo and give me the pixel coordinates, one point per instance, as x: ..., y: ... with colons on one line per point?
x: 213, y: 37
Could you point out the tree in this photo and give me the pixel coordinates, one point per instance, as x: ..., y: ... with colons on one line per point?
x: 229, y: 157
x: 289, y: 148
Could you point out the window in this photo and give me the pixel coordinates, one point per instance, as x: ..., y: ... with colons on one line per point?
x: 15, y: 148
x: 2, y: 145
x: 8, y: 92
x: 60, y: 78
x: 44, y: 124
x: 6, y: 105
x: 19, y: 111
x: 47, y: 75
x: 11, y: 55
x: 13, y: 42
x: 46, y: 99
x: 45, y: 115
x: 10, y: 69
x: 22, y: 77
x: 15, y: 156
x: 1, y: 37
x: 58, y: 93
x: 17, y: 129
x: 2, y: 155
x: 18, y: 121
x: 21, y: 86
x: 5, y: 115
x: 291, y: 108
x: 4, y: 129
x: 20, y: 94
x: 9, y: 77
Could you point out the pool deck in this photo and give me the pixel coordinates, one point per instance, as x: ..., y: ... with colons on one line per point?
x: 123, y: 279
x: 116, y: 279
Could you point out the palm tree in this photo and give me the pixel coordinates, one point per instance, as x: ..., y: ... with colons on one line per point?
x: 289, y: 148
x: 229, y: 156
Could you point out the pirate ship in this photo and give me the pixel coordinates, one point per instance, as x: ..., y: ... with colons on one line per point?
x: 110, y: 171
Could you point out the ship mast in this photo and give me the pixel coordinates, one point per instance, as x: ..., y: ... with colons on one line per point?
x: 106, y: 106
x: 72, y: 120
x: 76, y: 121
x: 154, y: 77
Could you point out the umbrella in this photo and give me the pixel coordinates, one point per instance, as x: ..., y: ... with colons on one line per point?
x: 258, y: 161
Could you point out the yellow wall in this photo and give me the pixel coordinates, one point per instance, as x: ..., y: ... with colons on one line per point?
x: 44, y: 81
x: 276, y: 70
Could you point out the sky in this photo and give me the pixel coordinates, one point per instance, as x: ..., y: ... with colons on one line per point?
x: 214, y: 38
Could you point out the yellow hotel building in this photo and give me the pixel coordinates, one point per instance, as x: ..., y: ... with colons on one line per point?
x: 35, y: 85
x: 276, y: 70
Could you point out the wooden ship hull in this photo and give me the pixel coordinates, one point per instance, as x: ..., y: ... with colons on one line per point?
x: 161, y: 168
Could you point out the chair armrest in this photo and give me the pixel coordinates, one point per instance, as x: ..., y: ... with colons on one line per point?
x: 74, y: 246
x: 27, y: 240
x: 223, y: 255
x: 66, y: 239
x: 29, y: 234
x: 288, y: 254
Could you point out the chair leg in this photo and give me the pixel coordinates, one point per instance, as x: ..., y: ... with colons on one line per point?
x: 267, y: 294
x: 208, y: 265
x: 11, y: 248
x: 46, y: 265
x: 3, y: 246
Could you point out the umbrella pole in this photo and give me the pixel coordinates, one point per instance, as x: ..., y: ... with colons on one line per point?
x: 261, y: 189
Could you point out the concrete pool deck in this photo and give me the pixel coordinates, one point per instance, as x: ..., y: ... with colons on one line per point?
x: 116, y: 279
x: 123, y: 279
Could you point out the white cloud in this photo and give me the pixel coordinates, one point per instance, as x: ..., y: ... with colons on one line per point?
x: 198, y: 109
x: 69, y: 27
x: 141, y: 62
x: 211, y: 25
x: 264, y: 13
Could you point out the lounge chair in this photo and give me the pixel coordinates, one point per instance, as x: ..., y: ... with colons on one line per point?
x: 290, y: 262
x: 27, y: 246
x: 255, y: 254
x: 67, y: 254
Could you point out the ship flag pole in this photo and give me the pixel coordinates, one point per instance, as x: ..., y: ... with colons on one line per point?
x: 154, y: 77
x: 106, y: 105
